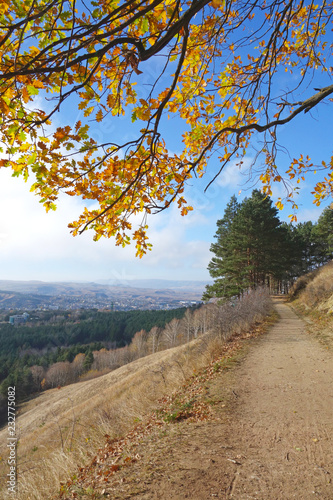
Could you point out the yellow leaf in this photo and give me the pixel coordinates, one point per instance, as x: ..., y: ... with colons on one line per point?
x: 217, y: 3
x: 37, y: 84
x: 88, y: 111
x: 25, y: 95
x: 99, y: 116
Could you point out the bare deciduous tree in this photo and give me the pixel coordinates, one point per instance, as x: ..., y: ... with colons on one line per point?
x: 59, y: 374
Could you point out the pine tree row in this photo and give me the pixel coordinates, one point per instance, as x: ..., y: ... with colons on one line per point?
x: 253, y: 247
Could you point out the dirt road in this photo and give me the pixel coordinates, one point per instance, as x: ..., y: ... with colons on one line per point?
x: 276, y: 441
x: 285, y: 426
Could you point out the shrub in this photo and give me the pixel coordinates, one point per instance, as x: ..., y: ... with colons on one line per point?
x: 301, y: 283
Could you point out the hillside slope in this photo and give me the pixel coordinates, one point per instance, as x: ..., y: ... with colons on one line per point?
x: 79, y: 415
x: 269, y: 433
x: 264, y: 416
x: 61, y: 429
x: 312, y: 298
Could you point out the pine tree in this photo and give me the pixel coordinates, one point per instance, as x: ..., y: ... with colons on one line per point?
x: 310, y: 251
x: 225, y: 285
x: 248, y: 249
x: 323, y: 234
x: 260, y: 235
x: 292, y: 256
x: 88, y: 361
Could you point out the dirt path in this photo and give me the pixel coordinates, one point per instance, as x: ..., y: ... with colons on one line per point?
x: 285, y: 425
x: 273, y: 434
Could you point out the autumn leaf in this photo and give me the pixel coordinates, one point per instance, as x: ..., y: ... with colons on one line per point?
x: 225, y: 91
x: 32, y: 90
x: 99, y: 116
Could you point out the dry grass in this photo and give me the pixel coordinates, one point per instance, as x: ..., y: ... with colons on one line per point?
x: 315, y: 289
x: 61, y: 429
x: 315, y: 302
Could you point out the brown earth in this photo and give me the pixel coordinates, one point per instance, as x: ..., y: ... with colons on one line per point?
x: 270, y: 436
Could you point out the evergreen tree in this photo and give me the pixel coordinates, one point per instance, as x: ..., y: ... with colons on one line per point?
x: 309, y: 247
x: 323, y: 234
x: 88, y: 361
x: 224, y: 284
x: 260, y: 238
x: 292, y: 255
x: 248, y: 249
x: 221, y: 247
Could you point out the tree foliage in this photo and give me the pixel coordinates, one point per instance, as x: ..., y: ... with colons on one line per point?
x: 324, y: 234
x: 254, y: 248
x: 222, y: 61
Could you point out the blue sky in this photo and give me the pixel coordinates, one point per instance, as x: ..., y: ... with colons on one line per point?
x: 38, y: 246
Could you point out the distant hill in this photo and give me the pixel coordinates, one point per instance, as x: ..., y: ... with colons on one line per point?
x: 123, y: 294
x: 158, y: 284
x: 57, y: 288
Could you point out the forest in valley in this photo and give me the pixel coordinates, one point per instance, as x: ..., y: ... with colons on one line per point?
x: 37, y: 357
x: 254, y: 248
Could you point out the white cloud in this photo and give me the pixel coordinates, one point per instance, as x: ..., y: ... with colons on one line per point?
x: 309, y: 214
x: 173, y: 246
x: 235, y: 175
x: 38, y: 245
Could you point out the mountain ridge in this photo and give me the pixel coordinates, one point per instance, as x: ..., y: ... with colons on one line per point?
x: 40, y: 287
